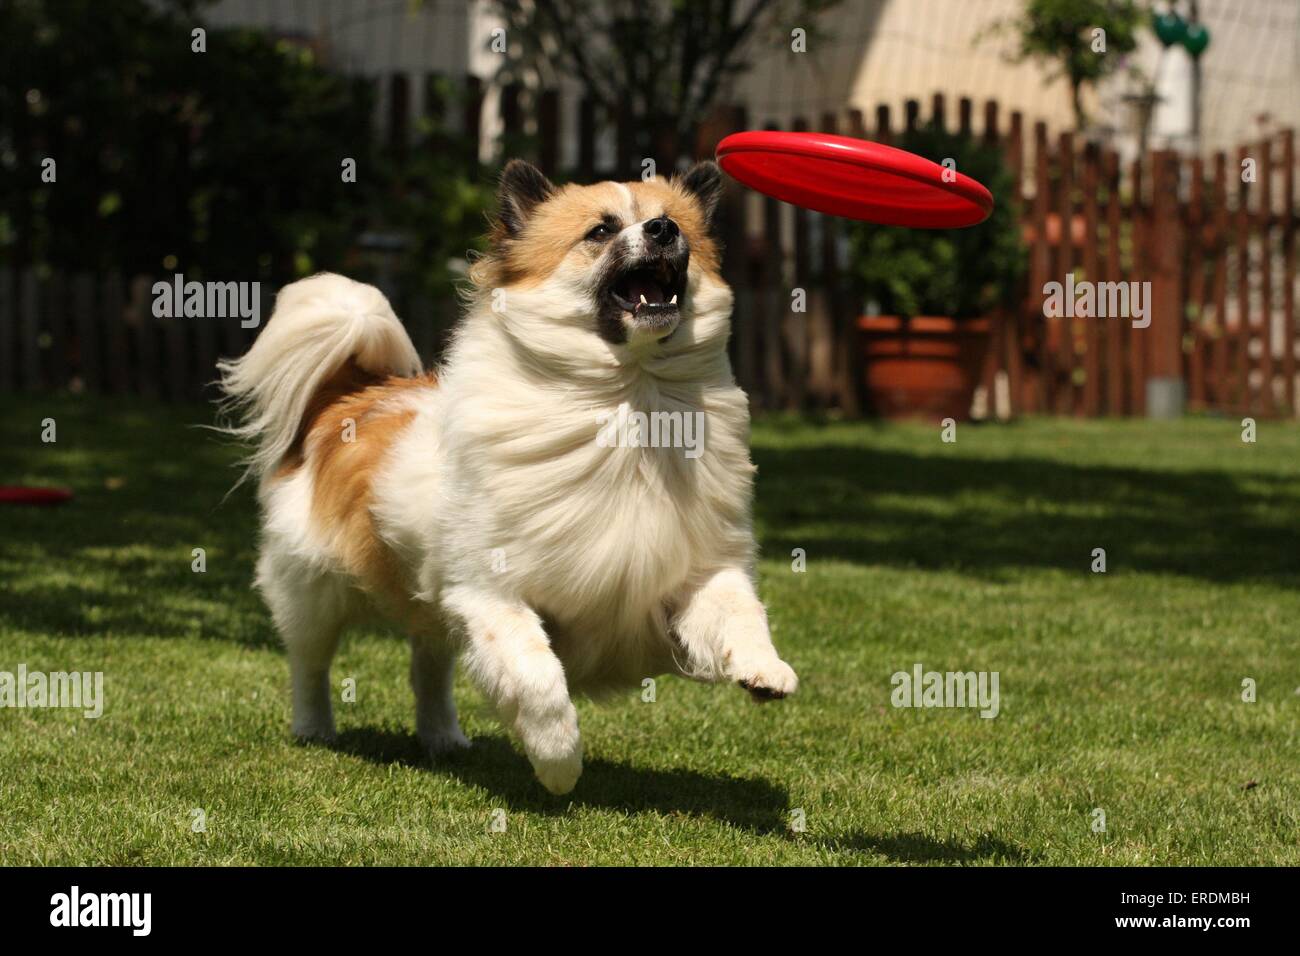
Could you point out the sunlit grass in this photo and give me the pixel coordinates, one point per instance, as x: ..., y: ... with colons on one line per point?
x: 1119, y: 692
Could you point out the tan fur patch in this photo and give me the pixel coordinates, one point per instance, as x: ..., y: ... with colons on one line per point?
x: 372, y: 413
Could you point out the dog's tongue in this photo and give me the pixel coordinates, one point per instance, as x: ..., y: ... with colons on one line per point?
x: 645, y: 286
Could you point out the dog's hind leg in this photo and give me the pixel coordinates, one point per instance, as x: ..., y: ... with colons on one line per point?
x: 433, y: 663
x: 309, y: 609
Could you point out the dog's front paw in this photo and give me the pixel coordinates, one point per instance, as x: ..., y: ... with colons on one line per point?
x: 770, y: 680
x: 554, y: 747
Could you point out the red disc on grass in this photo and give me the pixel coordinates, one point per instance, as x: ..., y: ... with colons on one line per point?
x: 854, y: 178
x: 17, y: 495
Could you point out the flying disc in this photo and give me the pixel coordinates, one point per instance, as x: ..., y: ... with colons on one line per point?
x: 854, y: 178
x: 17, y: 495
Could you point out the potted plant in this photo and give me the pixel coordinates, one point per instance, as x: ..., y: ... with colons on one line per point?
x: 929, y: 293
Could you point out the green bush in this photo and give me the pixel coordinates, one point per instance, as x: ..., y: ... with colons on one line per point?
x: 223, y: 163
x: 961, y: 273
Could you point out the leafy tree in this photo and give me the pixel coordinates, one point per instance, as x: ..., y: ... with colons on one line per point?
x: 1060, y: 35
x: 656, y: 65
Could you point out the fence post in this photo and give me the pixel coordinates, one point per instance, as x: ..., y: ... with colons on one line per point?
x: 586, y: 139
x: 1138, y: 266
x: 1115, y: 330
x: 8, y: 329
x: 1288, y: 268
x: 29, y: 329
x: 146, y: 340
x: 1196, y: 257
x: 1065, y: 262
x: 472, y: 121
x: 55, y: 297
x: 118, y: 352
x: 1015, y: 342
x: 995, y: 360
x: 399, y: 112
x: 1265, y: 232
x: 1219, y: 357
x: 175, y: 340
x: 548, y: 131
x: 433, y: 103
x: 1092, y: 330
x: 1040, y: 399
x: 1242, y: 329
x: 1166, y: 389
x: 204, y: 338
x: 512, y: 118
x: 83, y: 311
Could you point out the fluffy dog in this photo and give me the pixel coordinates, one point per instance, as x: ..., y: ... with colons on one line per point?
x: 497, y: 509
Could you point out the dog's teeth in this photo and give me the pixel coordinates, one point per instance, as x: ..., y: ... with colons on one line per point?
x: 643, y: 301
x: 674, y: 301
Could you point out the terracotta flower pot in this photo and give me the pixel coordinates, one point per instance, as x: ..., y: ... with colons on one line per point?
x: 925, y: 366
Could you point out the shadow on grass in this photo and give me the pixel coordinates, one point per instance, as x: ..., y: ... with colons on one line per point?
x: 919, y: 848
x: 990, y: 516
x: 750, y: 803
x: 493, y: 765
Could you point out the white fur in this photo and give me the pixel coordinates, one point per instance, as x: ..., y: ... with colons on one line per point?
x: 619, y: 563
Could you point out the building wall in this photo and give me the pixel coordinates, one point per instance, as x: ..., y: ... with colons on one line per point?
x: 865, y: 52
x: 862, y: 53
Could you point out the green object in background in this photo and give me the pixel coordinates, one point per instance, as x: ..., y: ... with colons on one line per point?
x: 1169, y: 27
x: 1196, y: 39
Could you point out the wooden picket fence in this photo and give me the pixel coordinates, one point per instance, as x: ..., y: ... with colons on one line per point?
x: 1214, y: 237
x: 1217, y: 247
x: 99, y: 335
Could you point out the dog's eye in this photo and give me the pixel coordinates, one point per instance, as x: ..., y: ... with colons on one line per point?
x: 599, y: 233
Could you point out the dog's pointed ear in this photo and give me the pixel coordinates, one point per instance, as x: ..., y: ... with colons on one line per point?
x: 523, y: 186
x: 704, y: 182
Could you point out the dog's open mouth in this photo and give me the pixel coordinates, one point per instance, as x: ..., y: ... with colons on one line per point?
x: 651, y: 292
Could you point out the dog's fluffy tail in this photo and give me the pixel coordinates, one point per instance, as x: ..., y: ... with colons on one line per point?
x: 318, y: 324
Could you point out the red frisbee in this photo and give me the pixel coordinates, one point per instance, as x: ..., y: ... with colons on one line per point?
x: 853, y: 178
x: 17, y: 495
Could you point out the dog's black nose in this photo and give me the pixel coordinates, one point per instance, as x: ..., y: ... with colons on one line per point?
x: 662, y: 230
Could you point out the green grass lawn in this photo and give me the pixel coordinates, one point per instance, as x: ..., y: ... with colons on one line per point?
x: 1120, y: 691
